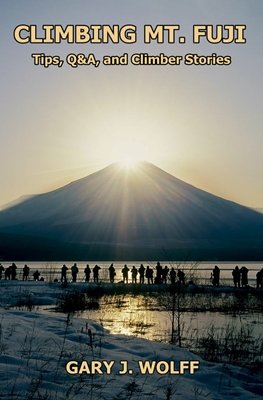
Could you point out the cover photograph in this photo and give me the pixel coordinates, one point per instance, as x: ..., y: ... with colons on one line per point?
x: 131, y: 200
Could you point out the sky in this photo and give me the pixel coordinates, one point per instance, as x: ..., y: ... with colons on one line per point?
x: 202, y: 124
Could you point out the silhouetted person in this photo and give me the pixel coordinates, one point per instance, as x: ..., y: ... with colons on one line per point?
x: 259, y: 277
x: 149, y: 275
x: 172, y: 276
x: 7, y: 273
x: 64, y: 273
x: 74, y: 272
x: 165, y: 274
x: 1, y: 271
x: 141, y: 271
x: 36, y: 275
x: 134, y: 273
x: 181, y: 277
x: 13, y: 269
x: 236, y: 276
x: 87, y: 272
x: 244, y: 278
x: 25, y: 272
x: 159, y: 271
x: 112, y: 273
x: 96, y: 273
x: 216, y: 276
x: 125, y: 271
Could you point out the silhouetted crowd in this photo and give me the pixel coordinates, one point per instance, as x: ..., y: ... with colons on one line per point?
x: 149, y: 275
x: 240, y: 277
x: 138, y: 275
x: 10, y: 273
x: 162, y: 275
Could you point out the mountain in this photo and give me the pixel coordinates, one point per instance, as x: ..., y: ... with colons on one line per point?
x: 142, y: 213
x: 21, y: 199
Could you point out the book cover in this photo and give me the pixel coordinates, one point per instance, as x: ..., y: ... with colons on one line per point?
x: 131, y: 205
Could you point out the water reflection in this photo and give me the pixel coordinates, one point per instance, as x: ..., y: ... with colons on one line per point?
x: 128, y: 315
x: 145, y: 316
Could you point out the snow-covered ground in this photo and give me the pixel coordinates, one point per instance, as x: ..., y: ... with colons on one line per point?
x: 35, y: 348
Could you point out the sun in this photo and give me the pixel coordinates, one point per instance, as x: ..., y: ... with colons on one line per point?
x: 129, y: 162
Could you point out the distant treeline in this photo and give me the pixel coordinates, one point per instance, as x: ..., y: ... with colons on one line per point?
x: 28, y: 248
